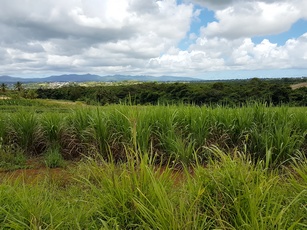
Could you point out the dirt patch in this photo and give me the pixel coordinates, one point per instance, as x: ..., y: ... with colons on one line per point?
x: 36, y: 172
x: 37, y: 175
x: 299, y: 85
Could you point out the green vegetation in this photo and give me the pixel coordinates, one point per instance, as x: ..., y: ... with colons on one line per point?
x: 53, y: 158
x: 3, y: 87
x: 13, y: 105
x: 231, y: 192
x: 11, y: 158
x: 179, y: 134
x: 152, y: 167
x: 291, y: 91
x: 230, y: 93
x: 18, y: 86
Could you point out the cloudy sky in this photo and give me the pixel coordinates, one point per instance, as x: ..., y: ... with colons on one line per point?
x: 210, y: 39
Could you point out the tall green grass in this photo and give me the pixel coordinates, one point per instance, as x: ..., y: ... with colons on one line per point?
x: 243, y: 195
x: 231, y: 192
x: 240, y: 168
x: 24, y: 130
x: 179, y: 134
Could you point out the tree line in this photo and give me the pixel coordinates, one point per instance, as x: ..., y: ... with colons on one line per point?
x: 17, y: 90
x: 199, y: 93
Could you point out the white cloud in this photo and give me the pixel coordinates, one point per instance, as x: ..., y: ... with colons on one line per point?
x: 185, y: 62
x: 222, y: 4
x: 88, y: 33
x: 249, y: 19
x: 297, y: 50
x: 142, y: 37
x: 220, y: 54
x: 144, y: 7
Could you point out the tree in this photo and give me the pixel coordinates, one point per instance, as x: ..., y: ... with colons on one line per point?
x: 3, y: 87
x: 31, y: 94
x: 280, y: 94
x: 18, y: 86
x: 218, y: 86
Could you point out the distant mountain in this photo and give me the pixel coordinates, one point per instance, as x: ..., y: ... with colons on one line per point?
x: 9, y: 79
x: 145, y: 78
x: 91, y: 77
x: 72, y: 78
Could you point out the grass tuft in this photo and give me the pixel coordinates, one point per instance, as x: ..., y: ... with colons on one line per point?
x: 53, y: 157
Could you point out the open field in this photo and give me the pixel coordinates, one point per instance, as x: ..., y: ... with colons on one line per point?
x: 299, y: 85
x: 152, y: 167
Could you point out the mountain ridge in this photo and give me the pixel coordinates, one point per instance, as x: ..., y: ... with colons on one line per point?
x: 93, y: 77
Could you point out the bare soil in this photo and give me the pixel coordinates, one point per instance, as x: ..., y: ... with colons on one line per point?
x: 299, y: 85
x: 36, y: 171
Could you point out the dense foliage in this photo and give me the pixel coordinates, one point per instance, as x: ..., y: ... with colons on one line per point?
x: 198, y: 93
x: 180, y: 134
x: 153, y: 167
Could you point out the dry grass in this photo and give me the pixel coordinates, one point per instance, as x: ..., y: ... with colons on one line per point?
x: 299, y: 85
x: 4, y: 97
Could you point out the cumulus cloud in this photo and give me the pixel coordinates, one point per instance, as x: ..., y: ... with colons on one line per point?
x: 220, y: 54
x: 213, y: 4
x: 251, y: 18
x: 142, y: 37
x: 222, y: 4
x: 144, y: 7
x: 72, y: 32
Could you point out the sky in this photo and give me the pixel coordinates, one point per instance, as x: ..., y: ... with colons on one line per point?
x: 207, y: 39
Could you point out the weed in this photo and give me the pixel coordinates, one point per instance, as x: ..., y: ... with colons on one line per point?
x: 53, y: 157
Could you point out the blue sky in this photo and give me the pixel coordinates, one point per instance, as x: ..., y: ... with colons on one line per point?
x: 296, y: 30
x: 204, y: 17
x: 206, y: 39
